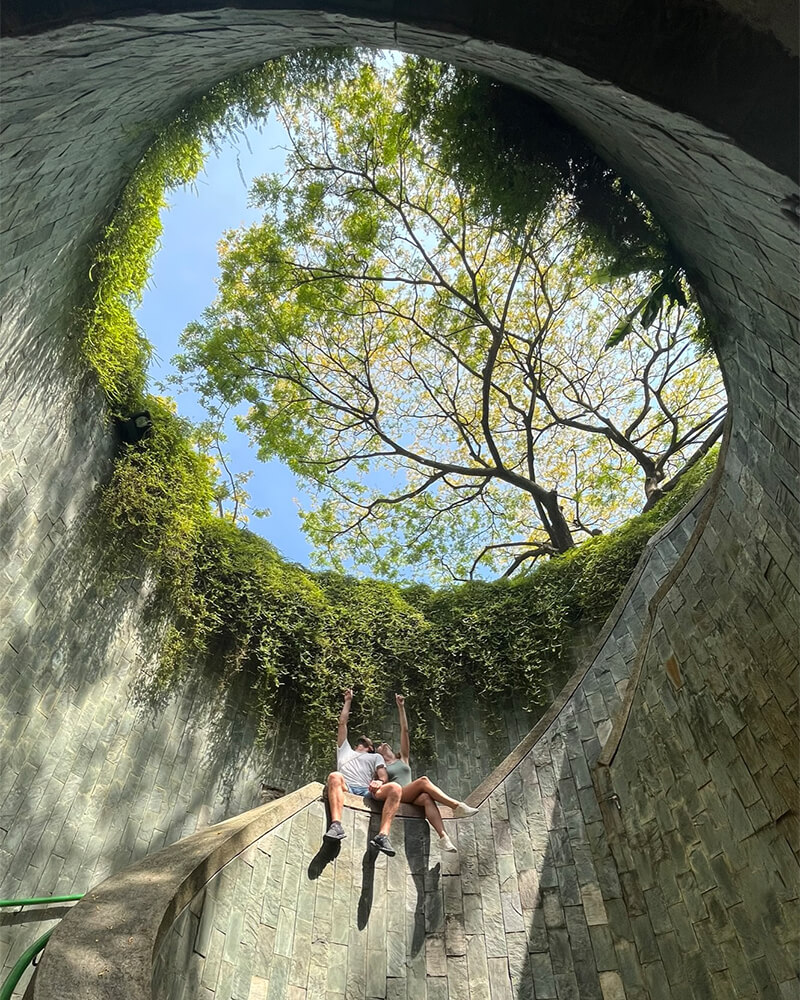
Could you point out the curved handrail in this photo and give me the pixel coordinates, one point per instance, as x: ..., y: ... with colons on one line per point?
x: 21, y: 964
x: 104, y: 948
x: 706, y: 498
x: 24, y: 960
x: 41, y: 900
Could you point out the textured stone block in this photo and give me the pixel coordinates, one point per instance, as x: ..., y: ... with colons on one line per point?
x: 477, y: 968
x: 543, y: 978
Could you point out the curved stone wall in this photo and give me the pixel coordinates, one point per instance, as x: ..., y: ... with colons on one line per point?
x: 100, y: 769
x: 710, y: 735
x: 531, y: 906
x: 533, y: 866
x: 531, y: 902
x: 706, y: 768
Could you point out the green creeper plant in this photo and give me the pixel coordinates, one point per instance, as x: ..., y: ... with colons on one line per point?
x: 298, y: 637
x: 113, y: 344
x: 231, y: 603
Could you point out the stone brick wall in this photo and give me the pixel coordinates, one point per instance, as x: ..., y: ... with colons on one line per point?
x: 538, y: 845
x: 530, y: 906
x: 99, y: 768
x: 87, y: 776
x: 706, y: 772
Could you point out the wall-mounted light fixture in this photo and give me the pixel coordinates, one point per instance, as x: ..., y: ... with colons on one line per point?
x: 135, y: 427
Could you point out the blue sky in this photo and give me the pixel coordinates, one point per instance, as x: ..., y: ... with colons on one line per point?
x: 182, y: 285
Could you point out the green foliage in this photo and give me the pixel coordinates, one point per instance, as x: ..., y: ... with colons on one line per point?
x: 517, y: 156
x: 667, y: 291
x: 113, y: 344
x: 299, y: 637
x: 160, y: 490
x: 601, y: 566
x: 158, y: 504
x: 434, y: 374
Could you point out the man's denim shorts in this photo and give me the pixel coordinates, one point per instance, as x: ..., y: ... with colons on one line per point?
x: 358, y: 789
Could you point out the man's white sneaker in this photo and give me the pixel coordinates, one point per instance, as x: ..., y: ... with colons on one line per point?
x: 446, y: 844
x: 462, y: 810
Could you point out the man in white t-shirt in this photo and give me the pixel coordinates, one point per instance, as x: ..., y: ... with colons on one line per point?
x: 361, y: 771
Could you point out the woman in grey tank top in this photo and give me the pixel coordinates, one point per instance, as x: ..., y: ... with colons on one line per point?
x: 420, y: 791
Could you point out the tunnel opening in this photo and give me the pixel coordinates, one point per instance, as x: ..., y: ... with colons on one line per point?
x: 741, y: 243
x: 518, y: 276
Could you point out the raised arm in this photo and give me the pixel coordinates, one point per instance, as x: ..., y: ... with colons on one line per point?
x: 405, y: 745
x: 344, y: 715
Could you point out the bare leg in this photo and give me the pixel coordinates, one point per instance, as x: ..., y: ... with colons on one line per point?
x: 389, y: 795
x: 413, y: 790
x: 336, y: 789
x: 432, y: 814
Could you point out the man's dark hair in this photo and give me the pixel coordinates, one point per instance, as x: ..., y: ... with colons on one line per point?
x: 367, y: 742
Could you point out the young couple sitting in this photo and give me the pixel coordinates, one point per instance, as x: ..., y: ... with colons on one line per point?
x: 379, y: 773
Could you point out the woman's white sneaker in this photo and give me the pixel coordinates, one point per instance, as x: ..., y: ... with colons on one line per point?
x: 462, y: 810
x: 446, y: 844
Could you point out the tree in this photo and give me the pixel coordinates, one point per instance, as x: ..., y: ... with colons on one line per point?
x: 231, y: 497
x: 438, y: 375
